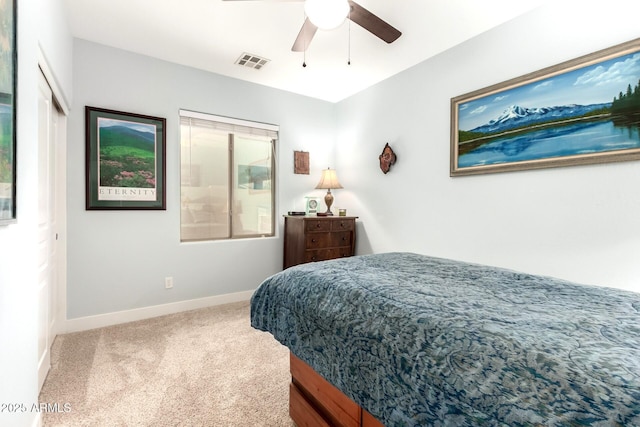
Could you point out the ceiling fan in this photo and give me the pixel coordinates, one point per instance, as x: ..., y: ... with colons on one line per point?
x: 347, y: 9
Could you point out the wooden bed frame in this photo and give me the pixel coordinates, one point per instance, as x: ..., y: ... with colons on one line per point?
x: 314, y: 402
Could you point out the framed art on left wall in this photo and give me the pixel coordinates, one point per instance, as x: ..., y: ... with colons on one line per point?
x: 125, y: 160
x: 8, y: 64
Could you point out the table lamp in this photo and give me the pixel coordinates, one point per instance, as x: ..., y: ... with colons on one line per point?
x: 328, y: 181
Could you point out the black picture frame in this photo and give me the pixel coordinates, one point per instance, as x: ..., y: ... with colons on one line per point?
x: 8, y: 111
x: 125, y: 160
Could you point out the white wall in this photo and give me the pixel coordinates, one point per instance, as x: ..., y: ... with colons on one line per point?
x: 578, y: 223
x: 118, y: 259
x: 55, y: 44
x: 18, y: 269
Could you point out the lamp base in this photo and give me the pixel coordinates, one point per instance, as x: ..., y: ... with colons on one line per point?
x: 328, y: 200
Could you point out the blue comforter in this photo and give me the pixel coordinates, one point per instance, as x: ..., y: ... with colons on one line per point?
x: 421, y: 341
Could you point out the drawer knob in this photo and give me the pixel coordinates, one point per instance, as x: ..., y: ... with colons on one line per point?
x: 314, y: 241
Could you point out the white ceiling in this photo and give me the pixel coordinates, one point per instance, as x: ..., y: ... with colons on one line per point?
x: 212, y: 34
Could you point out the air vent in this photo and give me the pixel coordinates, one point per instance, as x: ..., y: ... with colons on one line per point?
x: 251, y: 61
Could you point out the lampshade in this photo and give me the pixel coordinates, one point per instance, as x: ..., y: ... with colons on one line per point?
x: 326, y: 14
x: 329, y: 180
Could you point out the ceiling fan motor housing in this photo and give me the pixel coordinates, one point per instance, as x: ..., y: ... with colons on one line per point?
x: 326, y: 14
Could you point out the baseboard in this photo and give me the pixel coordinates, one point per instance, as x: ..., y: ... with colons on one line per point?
x: 37, y: 421
x: 109, y: 319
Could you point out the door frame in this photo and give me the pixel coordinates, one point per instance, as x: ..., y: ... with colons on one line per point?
x: 61, y: 111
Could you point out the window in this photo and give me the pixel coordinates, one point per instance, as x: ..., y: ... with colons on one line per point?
x: 227, y: 188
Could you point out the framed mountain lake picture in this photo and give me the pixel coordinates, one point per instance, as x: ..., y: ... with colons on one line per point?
x: 582, y: 111
x: 8, y: 141
x: 125, y: 160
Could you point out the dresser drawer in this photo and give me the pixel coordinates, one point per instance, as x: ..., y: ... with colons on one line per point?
x: 342, y: 224
x: 341, y: 238
x: 317, y: 225
x: 328, y: 240
x: 318, y: 240
x: 320, y: 255
x: 327, y: 254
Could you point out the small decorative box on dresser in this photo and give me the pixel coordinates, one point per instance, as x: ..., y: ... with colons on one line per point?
x: 318, y: 238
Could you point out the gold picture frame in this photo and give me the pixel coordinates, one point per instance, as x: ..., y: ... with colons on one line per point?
x: 582, y: 111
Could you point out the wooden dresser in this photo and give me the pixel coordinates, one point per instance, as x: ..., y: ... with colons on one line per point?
x: 318, y: 238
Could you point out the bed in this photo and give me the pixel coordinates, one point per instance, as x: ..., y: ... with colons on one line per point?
x: 411, y: 340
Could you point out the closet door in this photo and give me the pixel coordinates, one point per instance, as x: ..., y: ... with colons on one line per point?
x: 47, y: 254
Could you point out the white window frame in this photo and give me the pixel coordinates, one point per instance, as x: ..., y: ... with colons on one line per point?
x: 233, y: 125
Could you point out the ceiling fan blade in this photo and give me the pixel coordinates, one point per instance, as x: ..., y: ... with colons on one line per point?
x: 372, y: 23
x: 305, y: 35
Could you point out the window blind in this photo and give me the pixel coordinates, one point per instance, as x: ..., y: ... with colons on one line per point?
x: 227, y: 124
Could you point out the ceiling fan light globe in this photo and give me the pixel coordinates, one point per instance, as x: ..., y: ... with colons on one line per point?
x: 326, y: 14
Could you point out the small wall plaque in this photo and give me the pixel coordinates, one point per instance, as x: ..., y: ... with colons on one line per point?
x: 301, y: 162
x: 387, y: 158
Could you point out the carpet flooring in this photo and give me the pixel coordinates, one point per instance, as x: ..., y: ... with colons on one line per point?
x: 204, y: 367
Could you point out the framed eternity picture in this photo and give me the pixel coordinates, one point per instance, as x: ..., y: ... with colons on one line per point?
x: 583, y: 111
x: 8, y: 56
x: 125, y: 160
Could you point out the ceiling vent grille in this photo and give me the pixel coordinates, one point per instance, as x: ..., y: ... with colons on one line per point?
x: 252, y: 61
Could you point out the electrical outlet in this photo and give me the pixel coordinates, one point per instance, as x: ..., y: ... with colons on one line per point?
x: 168, y: 282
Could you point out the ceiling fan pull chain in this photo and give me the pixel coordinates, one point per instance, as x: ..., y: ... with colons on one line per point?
x: 349, y: 48
x: 304, y: 52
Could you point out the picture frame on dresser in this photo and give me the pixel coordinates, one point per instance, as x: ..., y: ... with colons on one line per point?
x: 125, y: 160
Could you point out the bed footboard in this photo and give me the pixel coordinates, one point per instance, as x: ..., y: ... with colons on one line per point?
x: 313, y: 401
